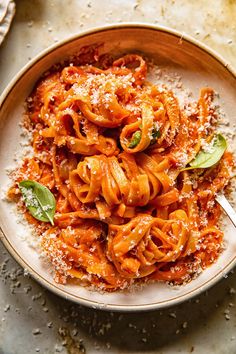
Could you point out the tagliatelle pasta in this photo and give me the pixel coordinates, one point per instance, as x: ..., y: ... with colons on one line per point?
x: 113, y: 148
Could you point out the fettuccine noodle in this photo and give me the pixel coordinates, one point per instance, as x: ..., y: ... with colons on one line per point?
x: 112, y: 147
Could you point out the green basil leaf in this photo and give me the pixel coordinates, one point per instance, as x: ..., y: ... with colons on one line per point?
x: 136, y: 137
x: 155, y: 135
x: 39, y: 200
x: 206, y: 159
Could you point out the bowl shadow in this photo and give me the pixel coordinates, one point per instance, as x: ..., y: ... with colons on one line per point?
x: 146, y: 331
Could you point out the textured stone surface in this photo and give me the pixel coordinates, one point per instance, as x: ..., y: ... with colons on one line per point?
x: 34, y: 320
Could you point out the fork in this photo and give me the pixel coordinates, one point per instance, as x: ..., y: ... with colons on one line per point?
x: 227, y: 207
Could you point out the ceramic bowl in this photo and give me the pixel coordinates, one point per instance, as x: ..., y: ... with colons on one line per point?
x: 198, y: 66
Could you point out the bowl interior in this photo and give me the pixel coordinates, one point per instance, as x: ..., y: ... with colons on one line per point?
x: 197, y: 68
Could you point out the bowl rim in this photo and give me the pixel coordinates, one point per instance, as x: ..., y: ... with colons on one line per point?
x: 14, y: 253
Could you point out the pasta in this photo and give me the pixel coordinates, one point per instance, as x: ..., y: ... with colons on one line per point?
x: 113, y: 149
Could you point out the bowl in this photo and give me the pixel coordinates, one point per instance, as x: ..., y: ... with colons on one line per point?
x: 197, y: 66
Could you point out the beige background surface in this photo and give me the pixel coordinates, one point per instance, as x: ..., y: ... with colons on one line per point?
x: 32, y: 319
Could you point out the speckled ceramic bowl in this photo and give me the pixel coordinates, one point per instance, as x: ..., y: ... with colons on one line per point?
x: 198, y: 66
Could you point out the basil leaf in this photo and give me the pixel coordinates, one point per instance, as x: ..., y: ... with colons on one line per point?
x: 39, y: 200
x: 136, y: 137
x: 206, y: 159
x: 155, y: 135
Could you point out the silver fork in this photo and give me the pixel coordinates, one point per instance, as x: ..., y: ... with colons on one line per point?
x: 227, y: 207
